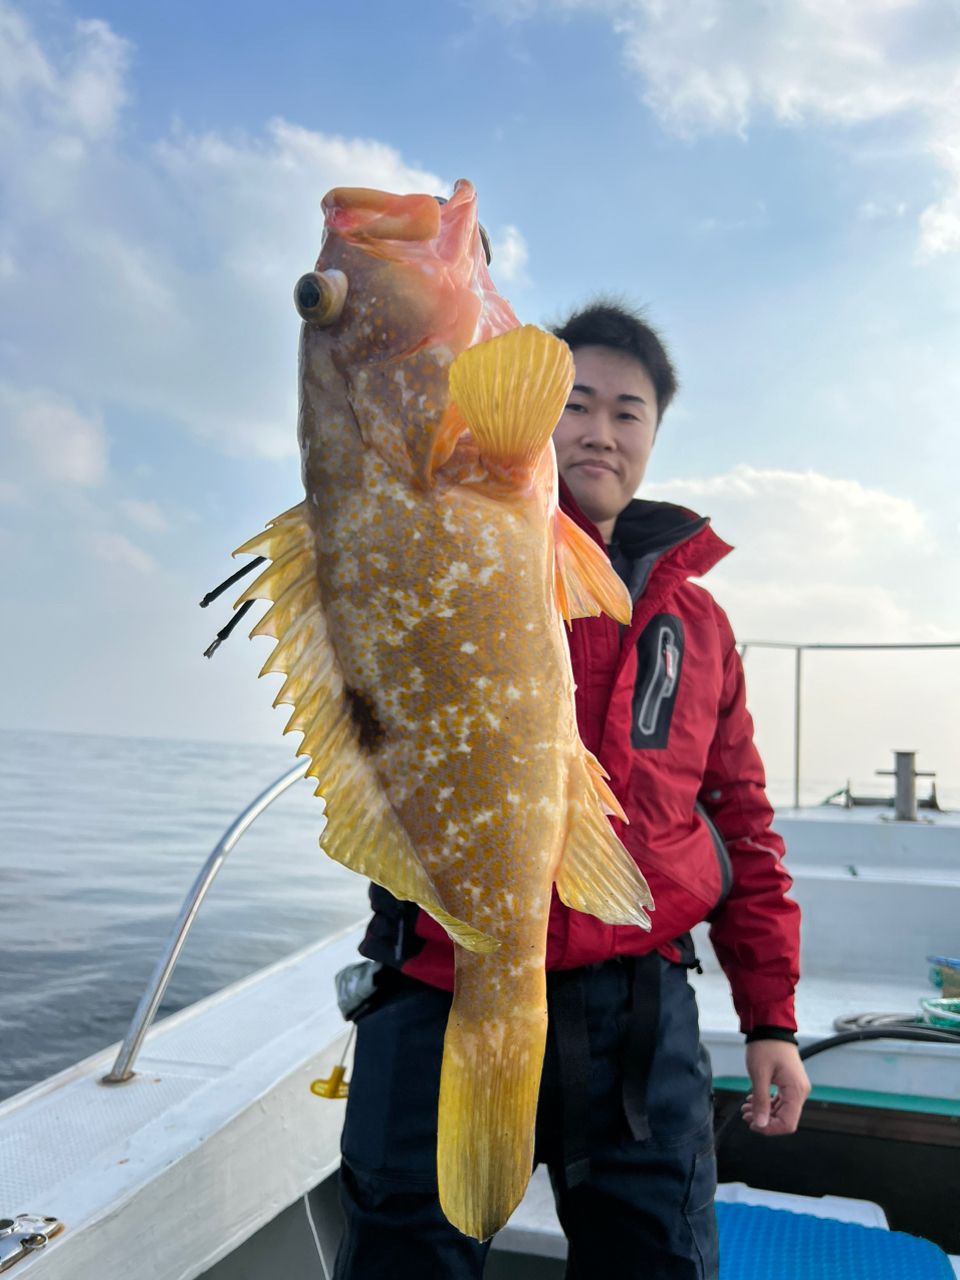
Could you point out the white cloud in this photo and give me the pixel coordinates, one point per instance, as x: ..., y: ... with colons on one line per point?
x: 172, y: 264
x: 709, y: 66
x: 63, y: 444
x: 509, y: 256
x: 831, y: 561
x: 145, y: 515
x: 874, y: 211
x: 114, y: 548
x: 816, y: 557
x: 81, y: 100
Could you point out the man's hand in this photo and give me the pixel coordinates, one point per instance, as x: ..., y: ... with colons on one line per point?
x: 775, y: 1063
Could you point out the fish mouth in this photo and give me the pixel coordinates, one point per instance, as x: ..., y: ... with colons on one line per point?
x: 405, y: 227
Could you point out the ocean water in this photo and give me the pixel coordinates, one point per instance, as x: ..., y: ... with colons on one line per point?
x: 100, y: 840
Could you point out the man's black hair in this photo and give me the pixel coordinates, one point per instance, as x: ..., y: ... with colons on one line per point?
x: 606, y: 323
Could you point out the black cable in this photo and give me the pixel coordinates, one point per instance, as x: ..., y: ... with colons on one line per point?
x: 222, y: 635
x: 930, y: 1035
x: 228, y: 582
x: 924, y: 1034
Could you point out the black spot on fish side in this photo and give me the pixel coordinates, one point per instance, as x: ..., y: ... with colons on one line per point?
x: 364, y: 716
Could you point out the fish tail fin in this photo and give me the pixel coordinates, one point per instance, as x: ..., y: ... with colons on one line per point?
x: 489, y: 1086
x: 511, y: 391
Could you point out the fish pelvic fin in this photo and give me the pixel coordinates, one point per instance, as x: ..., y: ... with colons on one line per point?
x: 596, y: 873
x: 489, y: 1083
x: 586, y: 582
x: 510, y: 392
x: 363, y: 831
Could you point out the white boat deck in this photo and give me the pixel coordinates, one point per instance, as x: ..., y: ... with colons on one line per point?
x: 216, y: 1133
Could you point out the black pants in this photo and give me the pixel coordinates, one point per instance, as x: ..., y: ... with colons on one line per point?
x: 640, y: 1209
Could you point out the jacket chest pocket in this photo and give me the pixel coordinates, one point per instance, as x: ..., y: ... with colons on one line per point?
x: 659, y: 662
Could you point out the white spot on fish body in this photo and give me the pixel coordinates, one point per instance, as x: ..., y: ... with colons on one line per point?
x: 467, y: 647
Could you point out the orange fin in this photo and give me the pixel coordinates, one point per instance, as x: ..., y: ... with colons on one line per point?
x: 452, y: 427
x: 596, y: 873
x: 586, y: 582
x: 511, y: 392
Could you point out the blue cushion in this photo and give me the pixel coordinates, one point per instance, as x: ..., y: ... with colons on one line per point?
x: 771, y: 1244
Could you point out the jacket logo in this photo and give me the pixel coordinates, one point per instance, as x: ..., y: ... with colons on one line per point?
x: 659, y: 660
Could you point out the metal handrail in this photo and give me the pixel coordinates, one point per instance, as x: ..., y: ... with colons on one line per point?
x: 799, y: 650
x: 146, y: 1011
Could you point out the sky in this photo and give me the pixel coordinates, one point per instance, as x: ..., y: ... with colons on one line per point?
x: 777, y: 185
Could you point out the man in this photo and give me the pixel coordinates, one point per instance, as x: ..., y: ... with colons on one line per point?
x: 624, y: 1122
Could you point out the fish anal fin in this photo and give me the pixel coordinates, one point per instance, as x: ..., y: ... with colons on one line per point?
x: 511, y: 391
x: 586, y: 582
x: 596, y: 874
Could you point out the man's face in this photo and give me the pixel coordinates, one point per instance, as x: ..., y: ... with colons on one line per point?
x: 606, y: 432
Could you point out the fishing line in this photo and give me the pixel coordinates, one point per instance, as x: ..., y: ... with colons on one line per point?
x: 224, y: 633
x: 228, y: 582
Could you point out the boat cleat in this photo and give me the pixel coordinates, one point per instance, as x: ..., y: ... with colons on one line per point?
x: 23, y: 1235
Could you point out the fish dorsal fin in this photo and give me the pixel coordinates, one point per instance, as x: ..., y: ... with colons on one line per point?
x: 586, y: 582
x: 363, y: 831
x: 511, y: 392
x: 596, y: 873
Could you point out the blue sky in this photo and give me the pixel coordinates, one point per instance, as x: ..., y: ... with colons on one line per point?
x: 778, y: 185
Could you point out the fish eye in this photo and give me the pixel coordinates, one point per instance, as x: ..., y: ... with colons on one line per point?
x: 319, y: 296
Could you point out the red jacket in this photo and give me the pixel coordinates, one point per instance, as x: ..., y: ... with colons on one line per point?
x: 661, y: 704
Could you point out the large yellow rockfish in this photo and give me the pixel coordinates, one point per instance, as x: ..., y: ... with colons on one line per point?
x: 419, y: 593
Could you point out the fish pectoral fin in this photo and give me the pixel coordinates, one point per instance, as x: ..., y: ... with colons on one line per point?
x: 511, y: 391
x: 452, y: 426
x: 596, y: 873
x: 363, y: 832
x: 586, y: 582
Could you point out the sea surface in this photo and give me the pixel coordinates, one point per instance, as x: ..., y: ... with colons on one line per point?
x: 100, y: 840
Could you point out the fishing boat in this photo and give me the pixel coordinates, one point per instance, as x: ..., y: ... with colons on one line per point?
x: 207, y: 1144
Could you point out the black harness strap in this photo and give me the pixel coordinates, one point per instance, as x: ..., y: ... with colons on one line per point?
x: 568, y: 1019
x: 641, y: 1042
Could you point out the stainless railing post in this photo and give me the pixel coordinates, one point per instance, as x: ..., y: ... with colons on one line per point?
x: 834, y: 648
x: 796, y: 726
x: 146, y: 1011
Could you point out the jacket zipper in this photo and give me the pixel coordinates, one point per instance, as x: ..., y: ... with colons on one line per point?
x: 662, y: 682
